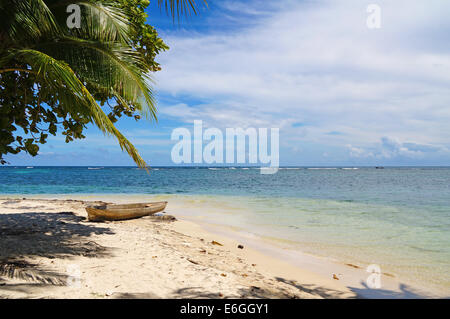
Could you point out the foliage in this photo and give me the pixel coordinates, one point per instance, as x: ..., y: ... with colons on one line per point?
x: 52, y: 78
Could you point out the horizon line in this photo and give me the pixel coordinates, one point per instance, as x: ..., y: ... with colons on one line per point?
x: 230, y: 166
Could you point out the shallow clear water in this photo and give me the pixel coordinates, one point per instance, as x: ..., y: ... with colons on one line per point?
x: 398, y: 218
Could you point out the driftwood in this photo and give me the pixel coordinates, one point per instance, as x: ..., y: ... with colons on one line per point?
x: 167, y: 218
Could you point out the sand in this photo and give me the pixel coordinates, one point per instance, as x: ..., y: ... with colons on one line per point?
x: 48, y: 249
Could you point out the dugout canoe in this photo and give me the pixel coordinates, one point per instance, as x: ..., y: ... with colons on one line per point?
x: 124, y: 211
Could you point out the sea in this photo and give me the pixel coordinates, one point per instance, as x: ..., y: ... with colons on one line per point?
x: 395, y: 217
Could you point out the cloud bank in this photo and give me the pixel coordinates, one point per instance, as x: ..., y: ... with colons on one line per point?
x: 317, y: 63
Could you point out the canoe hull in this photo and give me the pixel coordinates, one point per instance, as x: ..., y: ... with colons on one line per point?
x: 123, y: 212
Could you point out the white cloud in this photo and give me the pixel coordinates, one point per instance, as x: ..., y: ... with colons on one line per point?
x: 390, y: 148
x: 358, y: 152
x: 318, y: 63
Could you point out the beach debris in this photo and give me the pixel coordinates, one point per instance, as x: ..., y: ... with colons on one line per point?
x: 223, y: 275
x: 253, y: 265
x: 9, y: 202
x: 186, y: 244
x: 109, y: 293
x: 220, y: 294
x: 192, y: 261
x: 335, y: 277
x: 169, y: 218
x: 353, y: 266
x: 244, y: 275
x: 154, y: 256
x: 216, y: 243
x: 240, y: 246
x: 203, y: 250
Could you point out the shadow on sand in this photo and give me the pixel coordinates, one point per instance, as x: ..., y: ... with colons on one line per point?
x: 258, y: 292
x: 315, y: 290
x: 406, y: 292
x: 49, y: 235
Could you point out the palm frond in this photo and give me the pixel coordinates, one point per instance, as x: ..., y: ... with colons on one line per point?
x: 67, y: 63
x: 110, y: 66
x: 61, y: 81
x: 26, y: 20
x: 101, y: 20
x: 177, y: 8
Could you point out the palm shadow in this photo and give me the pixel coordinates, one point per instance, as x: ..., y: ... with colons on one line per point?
x: 195, y: 293
x: 406, y: 292
x: 315, y: 290
x: 138, y: 295
x: 254, y: 292
x: 25, y: 236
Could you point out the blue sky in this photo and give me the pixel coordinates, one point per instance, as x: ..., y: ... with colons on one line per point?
x: 341, y: 93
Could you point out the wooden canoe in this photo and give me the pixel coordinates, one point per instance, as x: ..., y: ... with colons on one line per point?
x: 125, y: 211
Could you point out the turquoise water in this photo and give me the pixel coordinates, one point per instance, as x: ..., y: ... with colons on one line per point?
x: 398, y: 218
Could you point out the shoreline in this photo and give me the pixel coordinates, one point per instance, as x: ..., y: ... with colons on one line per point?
x: 352, y: 276
x: 50, y: 250
x: 274, y: 262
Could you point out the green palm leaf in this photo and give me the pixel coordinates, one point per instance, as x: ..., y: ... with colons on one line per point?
x: 66, y: 63
x: 61, y: 79
x: 110, y: 66
x: 177, y: 8
x: 101, y: 21
x: 26, y: 20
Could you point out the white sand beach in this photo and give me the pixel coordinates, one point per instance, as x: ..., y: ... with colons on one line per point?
x: 50, y: 250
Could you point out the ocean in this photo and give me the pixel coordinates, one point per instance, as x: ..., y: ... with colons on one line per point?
x: 396, y: 217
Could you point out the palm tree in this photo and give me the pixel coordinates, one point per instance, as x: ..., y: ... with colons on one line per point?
x: 73, y: 65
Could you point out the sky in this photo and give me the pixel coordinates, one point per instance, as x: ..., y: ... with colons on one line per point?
x: 341, y: 93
